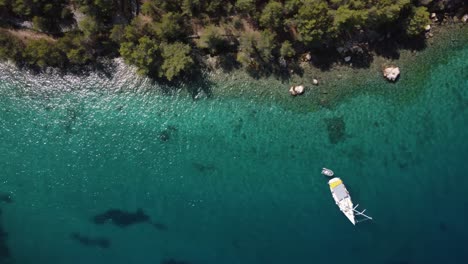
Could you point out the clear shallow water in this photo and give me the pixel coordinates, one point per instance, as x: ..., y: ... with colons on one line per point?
x: 232, y: 180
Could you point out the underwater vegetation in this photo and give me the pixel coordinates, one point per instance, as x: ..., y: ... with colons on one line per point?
x: 124, y: 219
x: 90, y: 242
x: 336, y: 129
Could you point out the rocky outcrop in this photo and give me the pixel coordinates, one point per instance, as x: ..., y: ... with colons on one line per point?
x: 465, y: 18
x: 391, y: 73
x: 296, y: 90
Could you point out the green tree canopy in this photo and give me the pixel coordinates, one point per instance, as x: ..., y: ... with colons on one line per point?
x: 287, y: 50
x: 170, y: 28
x: 10, y: 47
x: 40, y: 23
x: 176, y: 58
x: 212, y: 39
x: 73, y: 46
x: 346, y: 19
x: 146, y: 55
x: 43, y: 53
x: 272, y: 15
x: 314, y: 21
x: 246, y: 6
x: 89, y: 27
x: 417, y: 21
x: 256, y: 48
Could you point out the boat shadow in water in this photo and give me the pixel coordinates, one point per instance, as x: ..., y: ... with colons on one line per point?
x: 124, y: 219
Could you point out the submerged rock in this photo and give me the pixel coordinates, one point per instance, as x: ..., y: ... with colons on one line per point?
x: 391, y: 73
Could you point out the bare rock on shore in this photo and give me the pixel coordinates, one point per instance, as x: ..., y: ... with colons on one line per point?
x: 465, y: 18
x: 427, y: 27
x: 391, y: 73
x: 315, y: 82
x: 296, y: 90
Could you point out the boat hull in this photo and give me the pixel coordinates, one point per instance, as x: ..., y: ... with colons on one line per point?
x: 342, y: 199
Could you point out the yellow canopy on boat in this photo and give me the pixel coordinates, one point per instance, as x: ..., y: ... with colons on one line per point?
x: 335, y: 183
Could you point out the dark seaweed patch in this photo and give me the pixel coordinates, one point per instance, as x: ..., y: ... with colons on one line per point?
x: 336, y: 129
x: 159, y: 226
x: 443, y: 227
x: 4, y: 249
x: 123, y: 219
x: 166, y: 134
x: 173, y: 261
x: 90, y: 242
x: 6, y: 198
x: 237, y: 125
x: 5, y: 254
x: 203, y: 168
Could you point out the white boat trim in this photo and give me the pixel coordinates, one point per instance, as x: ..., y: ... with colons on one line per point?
x: 327, y: 172
x: 343, y: 200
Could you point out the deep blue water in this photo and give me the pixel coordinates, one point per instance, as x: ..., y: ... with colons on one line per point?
x: 231, y: 180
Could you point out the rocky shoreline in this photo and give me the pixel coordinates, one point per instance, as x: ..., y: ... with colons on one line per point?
x: 340, y: 80
x: 321, y: 87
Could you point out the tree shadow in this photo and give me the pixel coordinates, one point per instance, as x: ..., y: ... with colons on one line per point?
x: 228, y: 62
x: 390, y: 48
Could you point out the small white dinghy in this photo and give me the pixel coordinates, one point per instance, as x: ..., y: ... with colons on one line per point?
x: 343, y: 200
x: 327, y: 172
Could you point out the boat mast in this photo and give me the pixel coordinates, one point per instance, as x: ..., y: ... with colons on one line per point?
x: 361, y: 213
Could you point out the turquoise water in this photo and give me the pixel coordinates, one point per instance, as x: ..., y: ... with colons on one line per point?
x: 231, y: 180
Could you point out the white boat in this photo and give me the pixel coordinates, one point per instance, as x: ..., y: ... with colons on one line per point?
x: 343, y: 200
x: 327, y: 172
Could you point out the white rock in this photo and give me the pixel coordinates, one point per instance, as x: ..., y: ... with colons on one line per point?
x: 347, y: 58
x: 465, y: 18
x: 308, y: 57
x: 433, y: 15
x: 391, y: 73
x: 315, y: 81
x: 427, y: 27
x: 299, y: 89
x: 296, y: 90
x: 292, y: 91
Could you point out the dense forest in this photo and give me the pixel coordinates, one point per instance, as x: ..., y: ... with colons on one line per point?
x: 168, y: 39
